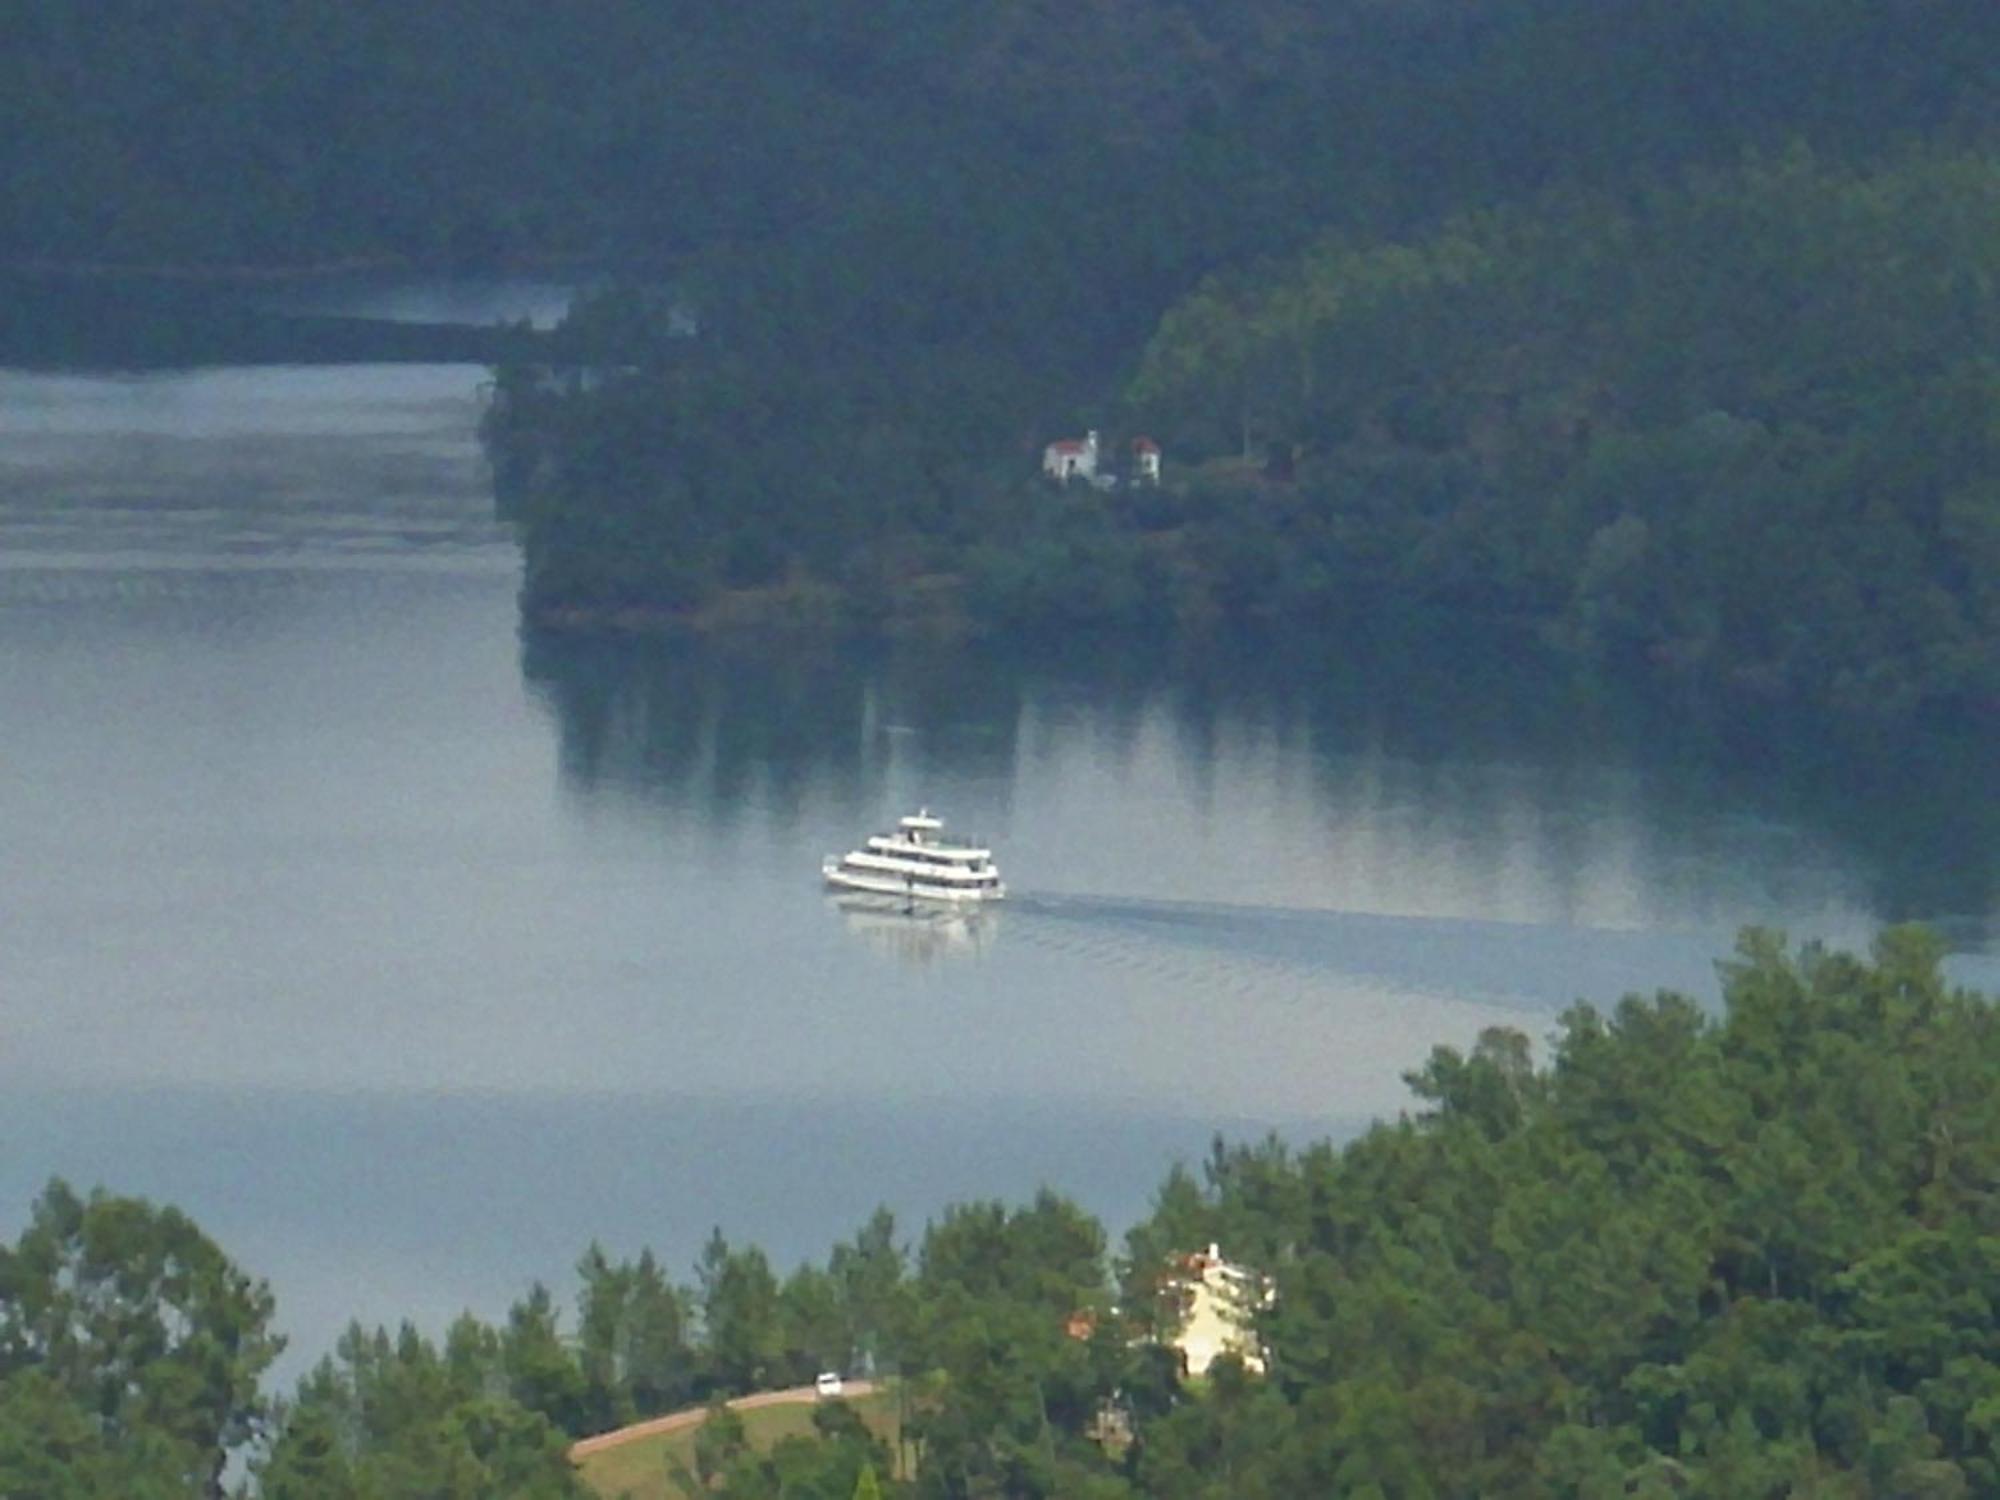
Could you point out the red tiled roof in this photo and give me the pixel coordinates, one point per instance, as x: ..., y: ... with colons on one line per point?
x: 1068, y: 445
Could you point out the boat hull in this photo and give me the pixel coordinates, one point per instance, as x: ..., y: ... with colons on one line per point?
x: 909, y: 889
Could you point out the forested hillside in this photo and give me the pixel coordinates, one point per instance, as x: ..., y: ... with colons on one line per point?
x: 1147, y: 135
x: 1745, y: 426
x: 1724, y: 1256
x: 1740, y: 428
x: 1663, y: 331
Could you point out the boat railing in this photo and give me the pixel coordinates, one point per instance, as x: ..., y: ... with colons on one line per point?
x: 959, y: 843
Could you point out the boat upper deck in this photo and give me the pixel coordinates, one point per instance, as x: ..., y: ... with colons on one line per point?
x: 908, y: 848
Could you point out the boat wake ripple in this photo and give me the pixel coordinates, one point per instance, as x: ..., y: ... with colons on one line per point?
x: 1517, y: 965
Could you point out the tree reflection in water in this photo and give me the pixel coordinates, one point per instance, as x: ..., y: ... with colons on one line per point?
x: 1479, y: 745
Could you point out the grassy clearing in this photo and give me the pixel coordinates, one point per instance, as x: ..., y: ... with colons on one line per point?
x: 638, y: 1470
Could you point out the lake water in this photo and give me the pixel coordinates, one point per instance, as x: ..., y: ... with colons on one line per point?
x: 409, y: 955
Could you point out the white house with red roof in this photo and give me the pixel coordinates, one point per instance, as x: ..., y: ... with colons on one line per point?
x: 1145, y: 461
x: 1071, y: 458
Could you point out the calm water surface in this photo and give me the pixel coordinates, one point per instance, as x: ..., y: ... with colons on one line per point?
x: 409, y: 956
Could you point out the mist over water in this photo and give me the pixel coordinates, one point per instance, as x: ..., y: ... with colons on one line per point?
x: 409, y: 954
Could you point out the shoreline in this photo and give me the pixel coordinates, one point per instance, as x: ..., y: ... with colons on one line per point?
x: 254, y: 274
x: 827, y: 614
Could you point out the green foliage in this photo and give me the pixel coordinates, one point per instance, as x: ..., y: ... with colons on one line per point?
x: 868, y: 1273
x: 538, y: 1366
x: 1733, y: 1257
x: 718, y: 1443
x: 632, y: 1341
x: 130, y: 1350
x: 840, y: 1459
x: 1587, y: 338
x: 1741, y: 427
x: 387, y: 1416
x: 740, y: 1317
x: 1146, y: 141
x: 1739, y: 430
x: 1013, y: 1312
x: 1745, y: 1254
x: 55, y: 1447
x: 1594, y: 322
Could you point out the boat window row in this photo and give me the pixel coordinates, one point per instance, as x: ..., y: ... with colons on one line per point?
x: 894, y: 865
x: 984, y: 880
x: 926, y: 856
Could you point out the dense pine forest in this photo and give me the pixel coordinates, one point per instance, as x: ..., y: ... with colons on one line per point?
x: 1744, y: 425
x: 1736, y: 1255
x: 1663, y: 334
x: 1135, y: 141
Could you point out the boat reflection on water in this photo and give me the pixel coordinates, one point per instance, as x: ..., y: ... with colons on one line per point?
x: 917, y: 932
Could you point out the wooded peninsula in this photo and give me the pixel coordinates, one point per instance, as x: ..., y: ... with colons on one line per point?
x: 1664, y: 337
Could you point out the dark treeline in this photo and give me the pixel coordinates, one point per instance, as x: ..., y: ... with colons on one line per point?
x: 1744, y: 1255
x: 1746, y: 427
x: 1669, y: 339
x: 888, y: 250
x: 61, y: 320
x: 1135, y: 137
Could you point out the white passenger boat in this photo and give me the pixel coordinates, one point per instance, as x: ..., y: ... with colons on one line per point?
x: 916, y: 862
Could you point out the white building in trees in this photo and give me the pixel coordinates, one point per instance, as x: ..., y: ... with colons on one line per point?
x: 1071, y: 458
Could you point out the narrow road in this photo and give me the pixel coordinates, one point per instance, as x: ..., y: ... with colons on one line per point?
x: 675, y: 1421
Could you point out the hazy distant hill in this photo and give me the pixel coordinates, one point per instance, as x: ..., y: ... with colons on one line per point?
x: 289, y: 130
